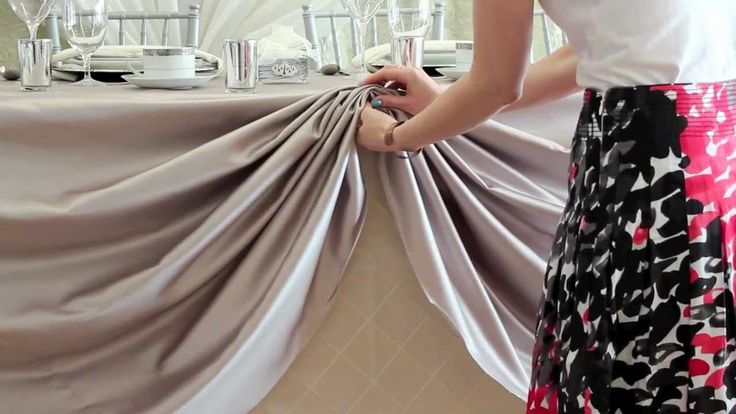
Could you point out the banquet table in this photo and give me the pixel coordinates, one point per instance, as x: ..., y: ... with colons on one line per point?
x: 128, y: 211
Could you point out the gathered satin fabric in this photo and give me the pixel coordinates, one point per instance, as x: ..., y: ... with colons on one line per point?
x: 176, y: 257
x: 171, y: 273
x: 477, y: 215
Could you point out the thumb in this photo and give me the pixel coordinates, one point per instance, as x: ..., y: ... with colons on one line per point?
x: 391, y: 101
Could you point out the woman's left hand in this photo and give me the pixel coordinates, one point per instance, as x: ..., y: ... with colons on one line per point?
x: 372, y: 132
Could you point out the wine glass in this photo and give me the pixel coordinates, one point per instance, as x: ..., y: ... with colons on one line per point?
x: 85, y: 26
x: 408, y: 18
x: 32, y: 12
x: 362, y: 11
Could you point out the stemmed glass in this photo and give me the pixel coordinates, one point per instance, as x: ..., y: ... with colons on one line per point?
x: 32, y: 12
x: 362, y: 11
x: 85, y: 26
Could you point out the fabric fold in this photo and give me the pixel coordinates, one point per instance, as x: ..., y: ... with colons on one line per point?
x: 177, y: 257
x: 477, y: 215
x: 186, y: 285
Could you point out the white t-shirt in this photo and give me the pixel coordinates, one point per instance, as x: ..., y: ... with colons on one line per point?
x: 645, y: 42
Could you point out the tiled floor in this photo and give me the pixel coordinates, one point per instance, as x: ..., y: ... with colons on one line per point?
x: 384, y: 349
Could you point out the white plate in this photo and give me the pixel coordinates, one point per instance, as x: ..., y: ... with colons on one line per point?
x: 183, y: 83
x: 452, y: 73
x: 117, y: 66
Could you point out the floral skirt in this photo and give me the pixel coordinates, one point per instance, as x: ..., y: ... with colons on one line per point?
x: 637, y: 314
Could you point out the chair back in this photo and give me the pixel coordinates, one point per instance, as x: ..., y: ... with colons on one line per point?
x: 311, y: 17
x: 191, y: 18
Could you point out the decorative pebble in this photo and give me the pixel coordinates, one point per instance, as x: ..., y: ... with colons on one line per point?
x: 9, y: 73
x: 330, y: 69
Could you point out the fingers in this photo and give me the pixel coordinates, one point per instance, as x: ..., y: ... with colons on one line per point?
x: 392, y: 101
x: 395, y: 85
x: 390, y: 73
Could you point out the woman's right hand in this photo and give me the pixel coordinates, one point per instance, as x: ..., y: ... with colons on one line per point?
x: 420, y: 89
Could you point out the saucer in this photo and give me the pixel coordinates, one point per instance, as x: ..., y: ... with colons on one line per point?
x: 167, y: 83
x: 452, y: 73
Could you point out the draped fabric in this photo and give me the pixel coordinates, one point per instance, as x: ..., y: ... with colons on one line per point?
x: 175, y: 252
x: 477, y: 216
x: 148, y: 270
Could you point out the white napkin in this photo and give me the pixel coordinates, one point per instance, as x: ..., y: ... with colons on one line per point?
x: 284, y: 43
x: 118, y: 51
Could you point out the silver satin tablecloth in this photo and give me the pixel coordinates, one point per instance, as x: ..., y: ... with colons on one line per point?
x: 170, y: 251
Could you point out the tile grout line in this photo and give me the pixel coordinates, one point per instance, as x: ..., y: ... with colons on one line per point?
x: 341, y: 351
x: 431, y: 377
x: 467, y: 398
x: 398, y: 351
x: 388, y: 363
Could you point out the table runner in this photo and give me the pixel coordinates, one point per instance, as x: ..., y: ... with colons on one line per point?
x: 167, y: 218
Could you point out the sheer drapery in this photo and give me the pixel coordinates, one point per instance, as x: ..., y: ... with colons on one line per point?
x: 251, y: 18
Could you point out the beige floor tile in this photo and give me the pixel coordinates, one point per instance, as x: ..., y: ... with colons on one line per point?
x: 460, y: 373
x: 282, y: 397
x: 491, y: 398
x: 258, y: 410
x: 431, y: 344
x: 366, y: 288
x: 341, y: 385
x: 399, y: 316
x: 403, y: 379
x: 410, y: 286
x: 376, y: 401
x: 371, y: 350
x: 341, y: 324
x: 310, y: 403
x: 435, y: 398
x: 313, y: 361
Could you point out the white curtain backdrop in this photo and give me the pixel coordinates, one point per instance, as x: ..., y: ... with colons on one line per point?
x: 253, y: 18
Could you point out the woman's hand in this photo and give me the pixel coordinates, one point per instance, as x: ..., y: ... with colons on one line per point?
x: 373, y: 130
x: 420, y: 89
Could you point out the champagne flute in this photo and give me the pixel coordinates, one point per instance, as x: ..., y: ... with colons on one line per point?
x: 85, y: 26
x: 362, y: 11
x: 32, y: 12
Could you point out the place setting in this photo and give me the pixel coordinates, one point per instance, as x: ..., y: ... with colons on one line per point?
x: 282, y: 57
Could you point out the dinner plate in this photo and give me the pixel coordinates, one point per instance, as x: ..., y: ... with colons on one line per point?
x: 119, y: 67
x: 179, y: 83
x: 452, y: 73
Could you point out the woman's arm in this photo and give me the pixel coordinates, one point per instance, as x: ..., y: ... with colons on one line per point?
x: 552, y: 77
x: 503, y: 33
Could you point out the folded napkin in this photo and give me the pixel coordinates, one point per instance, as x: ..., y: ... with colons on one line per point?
x: 122, y: 52
x: 437, y: 53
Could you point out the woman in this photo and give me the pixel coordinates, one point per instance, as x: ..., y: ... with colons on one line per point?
x: 637, y: 312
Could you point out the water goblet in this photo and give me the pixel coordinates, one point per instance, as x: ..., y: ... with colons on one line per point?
x: 361, y: 12
x: 32, y: 12
x: 85, y: 26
